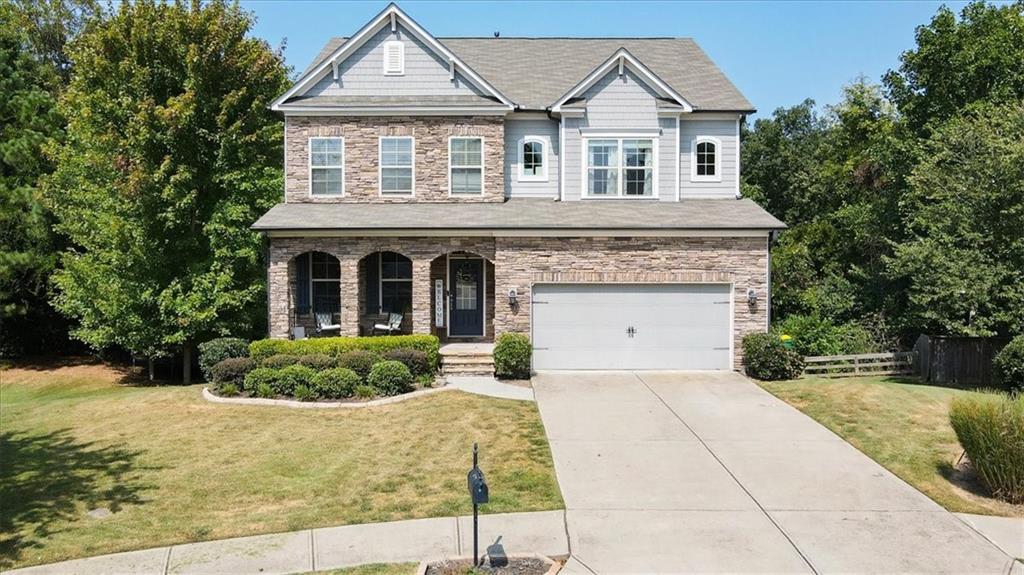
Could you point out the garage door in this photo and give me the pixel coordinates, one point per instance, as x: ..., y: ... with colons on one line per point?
x: 631, y: 326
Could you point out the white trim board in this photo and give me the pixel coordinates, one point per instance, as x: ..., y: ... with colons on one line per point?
x: 623, y: 59
x: 523, y: 233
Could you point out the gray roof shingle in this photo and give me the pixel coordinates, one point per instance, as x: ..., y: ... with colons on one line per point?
x: 522, y: 214
x: 535, y: 72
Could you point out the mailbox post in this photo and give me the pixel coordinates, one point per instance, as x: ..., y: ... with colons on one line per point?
x: 479, y: 496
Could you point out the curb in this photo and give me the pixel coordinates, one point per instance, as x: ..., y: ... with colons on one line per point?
x: 209, y: 396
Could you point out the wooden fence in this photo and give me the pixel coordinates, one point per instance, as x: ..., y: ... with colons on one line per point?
x: 896, y: 363
x: 950, y: 360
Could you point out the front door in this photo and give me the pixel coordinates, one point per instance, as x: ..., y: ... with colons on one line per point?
x: 466, y: 279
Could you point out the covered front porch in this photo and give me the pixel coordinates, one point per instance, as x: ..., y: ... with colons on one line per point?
x: 375, y: 286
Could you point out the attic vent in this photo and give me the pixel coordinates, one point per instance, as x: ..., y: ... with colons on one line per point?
x: 394, y: 58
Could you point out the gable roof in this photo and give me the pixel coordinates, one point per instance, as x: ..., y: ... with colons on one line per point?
x: 622, y: 58
x: 391, y: 15
x: 535, y: 72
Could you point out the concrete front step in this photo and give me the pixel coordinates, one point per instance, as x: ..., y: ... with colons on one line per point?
x: 473, y: 369
x: 467, y: 359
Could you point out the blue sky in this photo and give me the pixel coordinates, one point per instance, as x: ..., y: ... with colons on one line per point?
x: 777, y: 53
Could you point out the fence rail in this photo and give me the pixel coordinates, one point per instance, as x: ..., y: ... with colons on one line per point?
x: 897, y: 363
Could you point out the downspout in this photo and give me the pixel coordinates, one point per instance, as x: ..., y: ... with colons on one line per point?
x: 561, y: 153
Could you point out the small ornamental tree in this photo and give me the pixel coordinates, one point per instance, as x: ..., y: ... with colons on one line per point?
x: 170, y: 154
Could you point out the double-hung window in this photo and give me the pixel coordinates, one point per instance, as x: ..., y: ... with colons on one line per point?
x: 396, y: 166
x: 466, y: 166
x: 620, y: 167
x: 327, y: 166
x: 395, y: 283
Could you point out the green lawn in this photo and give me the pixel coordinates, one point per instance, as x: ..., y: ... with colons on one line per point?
x: 900, y: 424
x: 174, y: 468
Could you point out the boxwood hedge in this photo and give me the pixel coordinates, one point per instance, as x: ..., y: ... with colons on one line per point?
x: 335, y: 346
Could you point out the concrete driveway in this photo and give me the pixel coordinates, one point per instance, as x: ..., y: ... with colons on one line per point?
x: 707, y: 472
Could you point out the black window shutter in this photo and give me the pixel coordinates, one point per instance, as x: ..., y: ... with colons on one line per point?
x: 302, y: 284
x: 372, y: 290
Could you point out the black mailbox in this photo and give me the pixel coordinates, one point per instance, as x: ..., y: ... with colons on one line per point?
x: 477, y: 486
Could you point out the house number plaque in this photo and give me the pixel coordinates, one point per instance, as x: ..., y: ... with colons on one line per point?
x: 439, y: 303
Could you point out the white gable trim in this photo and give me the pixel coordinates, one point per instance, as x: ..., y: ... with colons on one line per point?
x: 389, y: 16
x: 622, y: 58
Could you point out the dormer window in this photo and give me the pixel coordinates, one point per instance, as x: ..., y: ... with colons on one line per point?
x: 394, y: 58
x: 706, y: 160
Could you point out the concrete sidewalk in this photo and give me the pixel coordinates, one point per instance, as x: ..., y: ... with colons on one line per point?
x: 707, y: 472
x: 334, y: 547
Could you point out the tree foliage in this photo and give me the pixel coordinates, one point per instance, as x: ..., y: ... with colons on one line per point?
x: 170, y: 155
x: 905, y: 206
x: 28, y: 88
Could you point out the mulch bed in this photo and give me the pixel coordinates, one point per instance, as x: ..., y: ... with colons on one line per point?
x: 502, y: 566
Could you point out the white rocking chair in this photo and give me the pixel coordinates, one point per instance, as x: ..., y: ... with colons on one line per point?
x: 325, y: 323
x: 394, y: 324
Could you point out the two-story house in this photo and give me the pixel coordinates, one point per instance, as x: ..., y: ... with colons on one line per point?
x: 584, y: 191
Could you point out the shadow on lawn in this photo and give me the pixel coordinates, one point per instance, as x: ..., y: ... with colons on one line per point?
x: 48, y: 478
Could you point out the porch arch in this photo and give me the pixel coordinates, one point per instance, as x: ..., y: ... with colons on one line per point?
x: 315, y: 293
x: 385, y: 286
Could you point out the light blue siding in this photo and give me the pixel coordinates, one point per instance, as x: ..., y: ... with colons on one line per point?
x: 621, y: 102
x: 626, y: 103
x: 515, y: 131
x: 723, y: 130
x: 361, y: 74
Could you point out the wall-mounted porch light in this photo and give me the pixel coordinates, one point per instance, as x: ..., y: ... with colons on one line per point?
x: 513, y: 297
x: 751, y: 297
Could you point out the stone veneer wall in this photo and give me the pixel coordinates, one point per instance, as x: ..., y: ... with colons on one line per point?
x: 742, y: 260
x: 519, y: 262
x: 362, y: 155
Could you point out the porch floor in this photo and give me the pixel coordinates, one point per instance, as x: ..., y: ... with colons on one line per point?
x: 467, y: 349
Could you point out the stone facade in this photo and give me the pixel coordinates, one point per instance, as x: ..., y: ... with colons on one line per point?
x: 742, y: 261
x: 519, y: 262
x: 361, y: 161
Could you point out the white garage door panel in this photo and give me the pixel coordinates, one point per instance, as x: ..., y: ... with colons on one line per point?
x: 584, y: 326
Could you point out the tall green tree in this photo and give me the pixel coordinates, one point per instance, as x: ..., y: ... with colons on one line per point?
x: 963, y: 264
x: 171, y: 153
x: 28, y: 120
x: 957, y: 62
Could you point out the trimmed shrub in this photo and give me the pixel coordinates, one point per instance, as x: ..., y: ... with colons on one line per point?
x: 512, y: 353
x: 359, y: 361
x: 335, y: 383
x: 765, y: 358
x: 227, y: 389
x: 291, y: 377
x: 365, y: 392
x: 279, y: 360
x: 990, y: 428
x: 335, y: 346
x: 231, y: 371
x: 259, y: 376
x: 264, y: 390
x: 1008, y: 366
x: 303, y: 393
x: 390, y: 377
x: 414, y: 359
x: 217, y: 350
x: 317, y: 361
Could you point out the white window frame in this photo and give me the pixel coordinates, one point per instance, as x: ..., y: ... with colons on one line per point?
x: 311, y: 167
x: 483, y: 155
x: 718, y: 159
x: 545, y: 143
x: 381, y: 166
x: 388, y: 47
x: 381, y: 280
x: 621, y: 195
